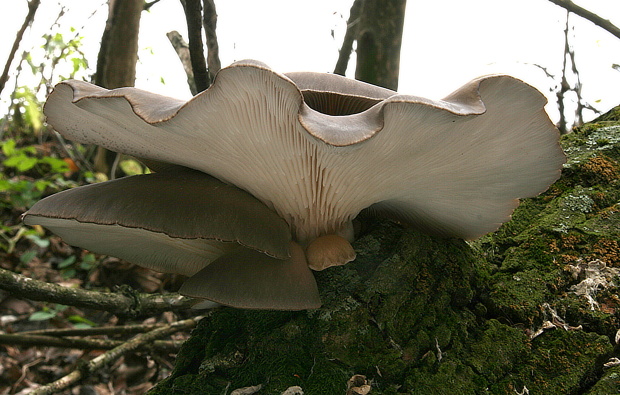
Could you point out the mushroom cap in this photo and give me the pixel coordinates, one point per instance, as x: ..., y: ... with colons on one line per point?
x: 176, y: 221
x: 248, y: 279
x: 456, y: 166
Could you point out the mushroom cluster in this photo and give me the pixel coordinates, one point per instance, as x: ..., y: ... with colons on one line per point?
x: 257, y: 180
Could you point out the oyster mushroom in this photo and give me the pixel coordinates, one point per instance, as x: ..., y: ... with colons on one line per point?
x: 314, y: 150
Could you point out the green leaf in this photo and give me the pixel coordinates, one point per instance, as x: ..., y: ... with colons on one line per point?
x: 57, y: 165
x: 88, y: 261
x: 21, y: 162
x: 79, y: 320
x: 68, y: 273
x: 67, y: 262
x: 26, y: 164
x: 60, y: 307
x: 43, y: 243
x: 34, y: 116
x: 27, y: 256
x: 8, y: 147
x: 131, y: 167
x: 42, y: 315
x: 41, y: 185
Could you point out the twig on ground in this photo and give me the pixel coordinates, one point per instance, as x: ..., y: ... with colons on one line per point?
x: 103, y: 330
x: 112, y: 355
x: 80, y: 343
x: 116, y: 303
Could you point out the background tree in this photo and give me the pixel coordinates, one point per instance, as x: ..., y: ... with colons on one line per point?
x: 377, y: 28
x: 118, y: 56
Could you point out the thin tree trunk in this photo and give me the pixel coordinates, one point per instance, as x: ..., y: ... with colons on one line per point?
x: 349, y: 38
x: 213, y: 49
x: 118, y: 56
x: 193, y: 16
x: 32, y: 9
x: 182, y: 50
x: 379, y: 38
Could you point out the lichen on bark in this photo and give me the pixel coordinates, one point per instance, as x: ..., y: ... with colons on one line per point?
x: 418, y: 314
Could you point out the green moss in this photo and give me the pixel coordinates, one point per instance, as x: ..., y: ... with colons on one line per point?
x: 500, y: 350
x: 608, y: 384
x: 563, y: 362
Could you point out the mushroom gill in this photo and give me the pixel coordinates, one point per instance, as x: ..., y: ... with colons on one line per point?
x: 313, y: 150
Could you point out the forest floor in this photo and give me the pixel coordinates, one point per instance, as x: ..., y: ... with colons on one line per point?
x: 34, y: 165
x: 23, y: 367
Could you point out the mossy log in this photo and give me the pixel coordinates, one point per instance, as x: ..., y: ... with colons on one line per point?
x: 532, y: 308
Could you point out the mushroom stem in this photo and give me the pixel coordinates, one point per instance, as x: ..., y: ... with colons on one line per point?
x: 329, y: 250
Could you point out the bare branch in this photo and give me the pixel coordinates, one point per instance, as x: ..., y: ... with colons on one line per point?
x: 102, y: 330
x: 32, y: 9
x: 589, y: 15
x: 182, y: 50
x: 147, y: 5
x: 213, y: 50
x: 193, y: 17
x: 25, y: 339
x: 112, y: 355
x: 113, y: 302
x: 349, y: 37
x: 564, y: 85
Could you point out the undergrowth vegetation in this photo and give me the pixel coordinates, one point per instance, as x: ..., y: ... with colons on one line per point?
x: 36, y: 162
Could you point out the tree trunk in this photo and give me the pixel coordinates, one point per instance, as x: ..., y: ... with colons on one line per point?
x: 118, y: 56
x: 379, y: 37
x: 531, y: 308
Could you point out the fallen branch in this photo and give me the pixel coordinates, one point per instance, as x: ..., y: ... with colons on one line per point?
x: 118, y: 303
x: 23, y: 339
x: 112, y: 355
x: 589, y: 15
x: 102, y: 330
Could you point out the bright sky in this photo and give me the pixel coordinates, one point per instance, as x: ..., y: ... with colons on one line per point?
x: 445, y: 43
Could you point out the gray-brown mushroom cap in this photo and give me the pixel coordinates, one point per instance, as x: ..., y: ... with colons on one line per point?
x: 455, y: 166
x: 259, y: 281
x: 174, y: 222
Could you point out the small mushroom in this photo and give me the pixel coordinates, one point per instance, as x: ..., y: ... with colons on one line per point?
x: 313, y: 150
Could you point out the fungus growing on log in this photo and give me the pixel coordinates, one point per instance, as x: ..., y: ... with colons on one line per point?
x: 259, y: 178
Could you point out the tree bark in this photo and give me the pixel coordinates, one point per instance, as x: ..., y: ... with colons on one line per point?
x: 213, y: 50
x: 349, y: 37
x: 118, y: 56
x: 379, y: 38
x: 193, y: 16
